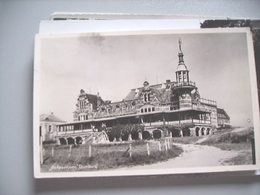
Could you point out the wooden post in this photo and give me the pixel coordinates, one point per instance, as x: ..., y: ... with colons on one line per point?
x: 130, y: 150
x: 148, y: 149
x: 89, y: 151
x: 165, y: 143
x: 163, y: 123
x: 168, y: 142
x: 253, y: 150
x: 159, y: 145
x: 52, y: 152
x: 41, y: 148
x: 70, y: 150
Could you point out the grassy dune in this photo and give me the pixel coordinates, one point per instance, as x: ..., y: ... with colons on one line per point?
x: 105, y: 156
x: 236, y: 141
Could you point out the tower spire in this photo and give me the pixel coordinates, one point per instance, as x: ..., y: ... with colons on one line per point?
x: 181, y: 60
x: 180, y: 45
x: 182, y: 73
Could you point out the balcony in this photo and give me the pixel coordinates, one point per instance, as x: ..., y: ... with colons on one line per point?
x: 188, y: 121
x: 182, y: 122
x: 73, y: 131
x: 184, y: 84
x: 208, y: 102
x: 114, y: 114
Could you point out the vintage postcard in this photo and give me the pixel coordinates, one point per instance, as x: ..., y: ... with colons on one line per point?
x: 145, y: 103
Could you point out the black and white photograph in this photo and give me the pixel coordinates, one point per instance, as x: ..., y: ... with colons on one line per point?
x: 145, y: 103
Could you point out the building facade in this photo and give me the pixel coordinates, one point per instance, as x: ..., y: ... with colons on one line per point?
x: 48, y: 126
x: 172, y: 103
x: 223, y: 118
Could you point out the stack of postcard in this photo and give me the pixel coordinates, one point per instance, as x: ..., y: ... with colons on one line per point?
x: 131, y: 95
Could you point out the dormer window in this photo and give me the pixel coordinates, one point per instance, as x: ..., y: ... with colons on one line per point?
x: 82, y: 105
x: 147, y: 97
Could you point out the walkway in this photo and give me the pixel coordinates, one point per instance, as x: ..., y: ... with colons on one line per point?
x: 193, y: 156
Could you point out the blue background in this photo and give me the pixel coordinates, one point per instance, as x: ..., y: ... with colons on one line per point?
x: 19, y: 22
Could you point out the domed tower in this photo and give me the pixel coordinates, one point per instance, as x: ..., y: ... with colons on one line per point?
x: 182, y: 73
x: 183, y: 86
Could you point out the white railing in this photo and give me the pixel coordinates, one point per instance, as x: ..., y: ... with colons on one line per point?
x: 206, y: 101
x: 188, y: 121
x: 183, y: 84
x: 74, y: 131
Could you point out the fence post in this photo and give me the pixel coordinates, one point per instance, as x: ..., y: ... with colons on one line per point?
x: 253, y: 150
x: 41, y: 148
x: 169, y: 145
x: 89, y: 151
x: 165, y: 143
x: 130, y: 150
x: 148, y: 149
x: 159, y: 145
x: 70, y: 150
x: 52, y: 152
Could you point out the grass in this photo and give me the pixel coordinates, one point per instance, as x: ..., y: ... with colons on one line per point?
x: 234, y: 141
x: 105, y: 156
x: 244, y: 158
x: 115, y: 155
x: 186, y: 140
x: 227, y: 136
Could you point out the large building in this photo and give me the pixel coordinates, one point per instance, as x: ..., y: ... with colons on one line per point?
x: 223, y: 118
x: 48, y: 126
x: 172, y: 103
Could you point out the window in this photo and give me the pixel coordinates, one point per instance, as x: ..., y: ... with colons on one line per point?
x: 49, y: 128
x: 147, y: 97
x: 81, y: 103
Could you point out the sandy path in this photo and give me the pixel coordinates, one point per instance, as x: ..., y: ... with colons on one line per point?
x: 193, y: 156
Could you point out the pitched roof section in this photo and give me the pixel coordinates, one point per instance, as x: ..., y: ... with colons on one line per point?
x: 51, y: 117
x: 92, y: 98
x: 158, y: 89
x: 222, y: 111
x: 131, y: 95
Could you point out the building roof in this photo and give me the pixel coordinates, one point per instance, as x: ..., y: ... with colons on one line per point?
x: 222, y: 111
x: 155, y: 88
x: 92, y: 98
x: 50, y: 117
x: 182, y: 67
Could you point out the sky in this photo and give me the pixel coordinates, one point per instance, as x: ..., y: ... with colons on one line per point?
x: 114, y: 64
